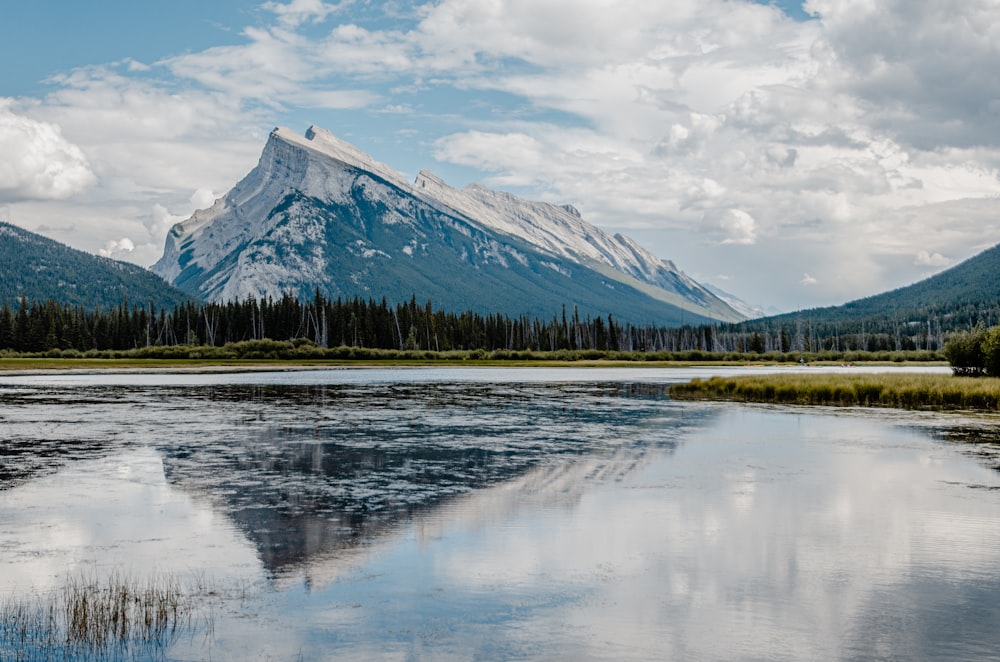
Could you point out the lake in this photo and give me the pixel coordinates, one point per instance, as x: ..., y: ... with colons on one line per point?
x: 504, y: 513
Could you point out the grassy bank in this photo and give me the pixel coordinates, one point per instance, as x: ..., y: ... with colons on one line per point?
x: 223, y: 365
x: 919, y: 391
x: 302, y: 352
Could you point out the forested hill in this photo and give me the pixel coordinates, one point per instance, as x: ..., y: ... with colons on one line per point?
x: 957, y: 298
x: 41, y: 269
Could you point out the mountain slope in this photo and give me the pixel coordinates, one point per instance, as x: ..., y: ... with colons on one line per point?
x: 956, y: 298
x: 734, y: 302
x: 561, y: 230
x: 41, y: 269
x: 317, y: 212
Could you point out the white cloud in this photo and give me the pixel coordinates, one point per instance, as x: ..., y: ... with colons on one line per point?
x: 730, y: 226
x: 115, y: 248
x: 297, y: 12
x: 38, y: 162
x: 397, y: 109
x: 519, y: 157
x: 151, y: 147
x: 844, y: 145
x: 161, y: 220
x: 924, y: 69
x: 927, y: 259
x: 203, y: 198
x: 777, y: 122
x: 808, y: 280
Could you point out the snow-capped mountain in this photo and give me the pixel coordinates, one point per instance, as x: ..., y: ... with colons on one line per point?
x: 317, y: 212
x: 738, y: 304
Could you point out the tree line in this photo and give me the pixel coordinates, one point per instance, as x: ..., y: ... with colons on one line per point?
x: 34, y: 327
x: 39, y: 327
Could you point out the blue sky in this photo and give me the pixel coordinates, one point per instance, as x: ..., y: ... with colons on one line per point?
x: 793, y: 154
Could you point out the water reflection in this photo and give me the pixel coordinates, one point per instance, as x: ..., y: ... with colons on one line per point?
x: 309, y: 471
x: 113, y: 514
x: 978, y: 438
x: 512, y: 519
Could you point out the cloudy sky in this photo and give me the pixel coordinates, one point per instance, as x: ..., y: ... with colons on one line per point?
x: 793, y: 153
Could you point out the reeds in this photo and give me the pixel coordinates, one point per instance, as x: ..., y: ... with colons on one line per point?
x: 919, y: 391
x: 117, y: 617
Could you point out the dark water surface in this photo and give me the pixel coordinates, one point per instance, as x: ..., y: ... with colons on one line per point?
x: 508, y: 514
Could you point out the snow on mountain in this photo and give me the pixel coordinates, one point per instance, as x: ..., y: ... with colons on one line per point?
x: 737, y: 304
x: 319, y: 212
x: 561, y: 230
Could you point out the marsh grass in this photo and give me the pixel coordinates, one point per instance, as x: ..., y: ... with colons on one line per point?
x: 114, y: 618
x: 267, y: 352
x: 919, y: 391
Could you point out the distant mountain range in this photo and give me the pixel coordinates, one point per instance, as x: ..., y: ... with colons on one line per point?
x: 40, y: 269
x: 317, y: 213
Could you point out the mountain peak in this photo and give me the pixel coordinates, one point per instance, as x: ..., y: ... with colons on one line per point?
x: 322, y: 142
x: 319, y: 212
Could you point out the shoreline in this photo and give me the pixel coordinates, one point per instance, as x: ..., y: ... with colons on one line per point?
x: 56, y: 366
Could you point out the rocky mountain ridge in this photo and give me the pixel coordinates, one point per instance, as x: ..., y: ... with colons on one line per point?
x: 318, y: 213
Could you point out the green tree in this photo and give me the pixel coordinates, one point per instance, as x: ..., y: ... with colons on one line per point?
x: 964, y: 351
x: 991, y: 351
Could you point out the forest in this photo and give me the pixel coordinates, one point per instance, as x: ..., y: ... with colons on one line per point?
x: 36, y: 327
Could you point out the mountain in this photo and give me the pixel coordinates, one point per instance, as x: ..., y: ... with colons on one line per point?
x: 969, y: 288
x: 736, y: 303
x: 918, y: 316
x: 41, y: 269
x: 318, y: 213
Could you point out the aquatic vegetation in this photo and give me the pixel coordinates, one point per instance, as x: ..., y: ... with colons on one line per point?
x: 117, y: 617
x: 906, y: 391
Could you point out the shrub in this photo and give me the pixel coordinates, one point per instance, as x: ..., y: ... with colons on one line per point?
x: 965, y: 352
x: 991, y: 351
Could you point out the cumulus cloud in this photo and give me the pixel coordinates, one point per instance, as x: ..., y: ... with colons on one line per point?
x: 203, y: 198
x: 927, y: 259
x: 161, y: 220
x: 857, y: 139
x: 808, y: 280
x: 151, y: 146
x: 731, y: 226
x: 115, y: 248
x: 819, y: 132
x: 38, y: 162
x: 924, y: 69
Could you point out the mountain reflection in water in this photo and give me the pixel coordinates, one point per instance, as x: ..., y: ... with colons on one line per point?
x: 312, y: 472
x: 509, y: 514
x: 307, y: 472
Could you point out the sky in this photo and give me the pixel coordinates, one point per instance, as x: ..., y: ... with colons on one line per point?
x: 795, y: 154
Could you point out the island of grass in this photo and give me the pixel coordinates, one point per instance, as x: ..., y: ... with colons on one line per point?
x: 903, y: 391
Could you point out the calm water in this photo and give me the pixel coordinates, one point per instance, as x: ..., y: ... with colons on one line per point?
x: 507, y: 514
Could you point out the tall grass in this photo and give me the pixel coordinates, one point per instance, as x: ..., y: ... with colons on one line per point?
x: 116, y: 618
x: 304, y: 350
x: 922, y: 391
